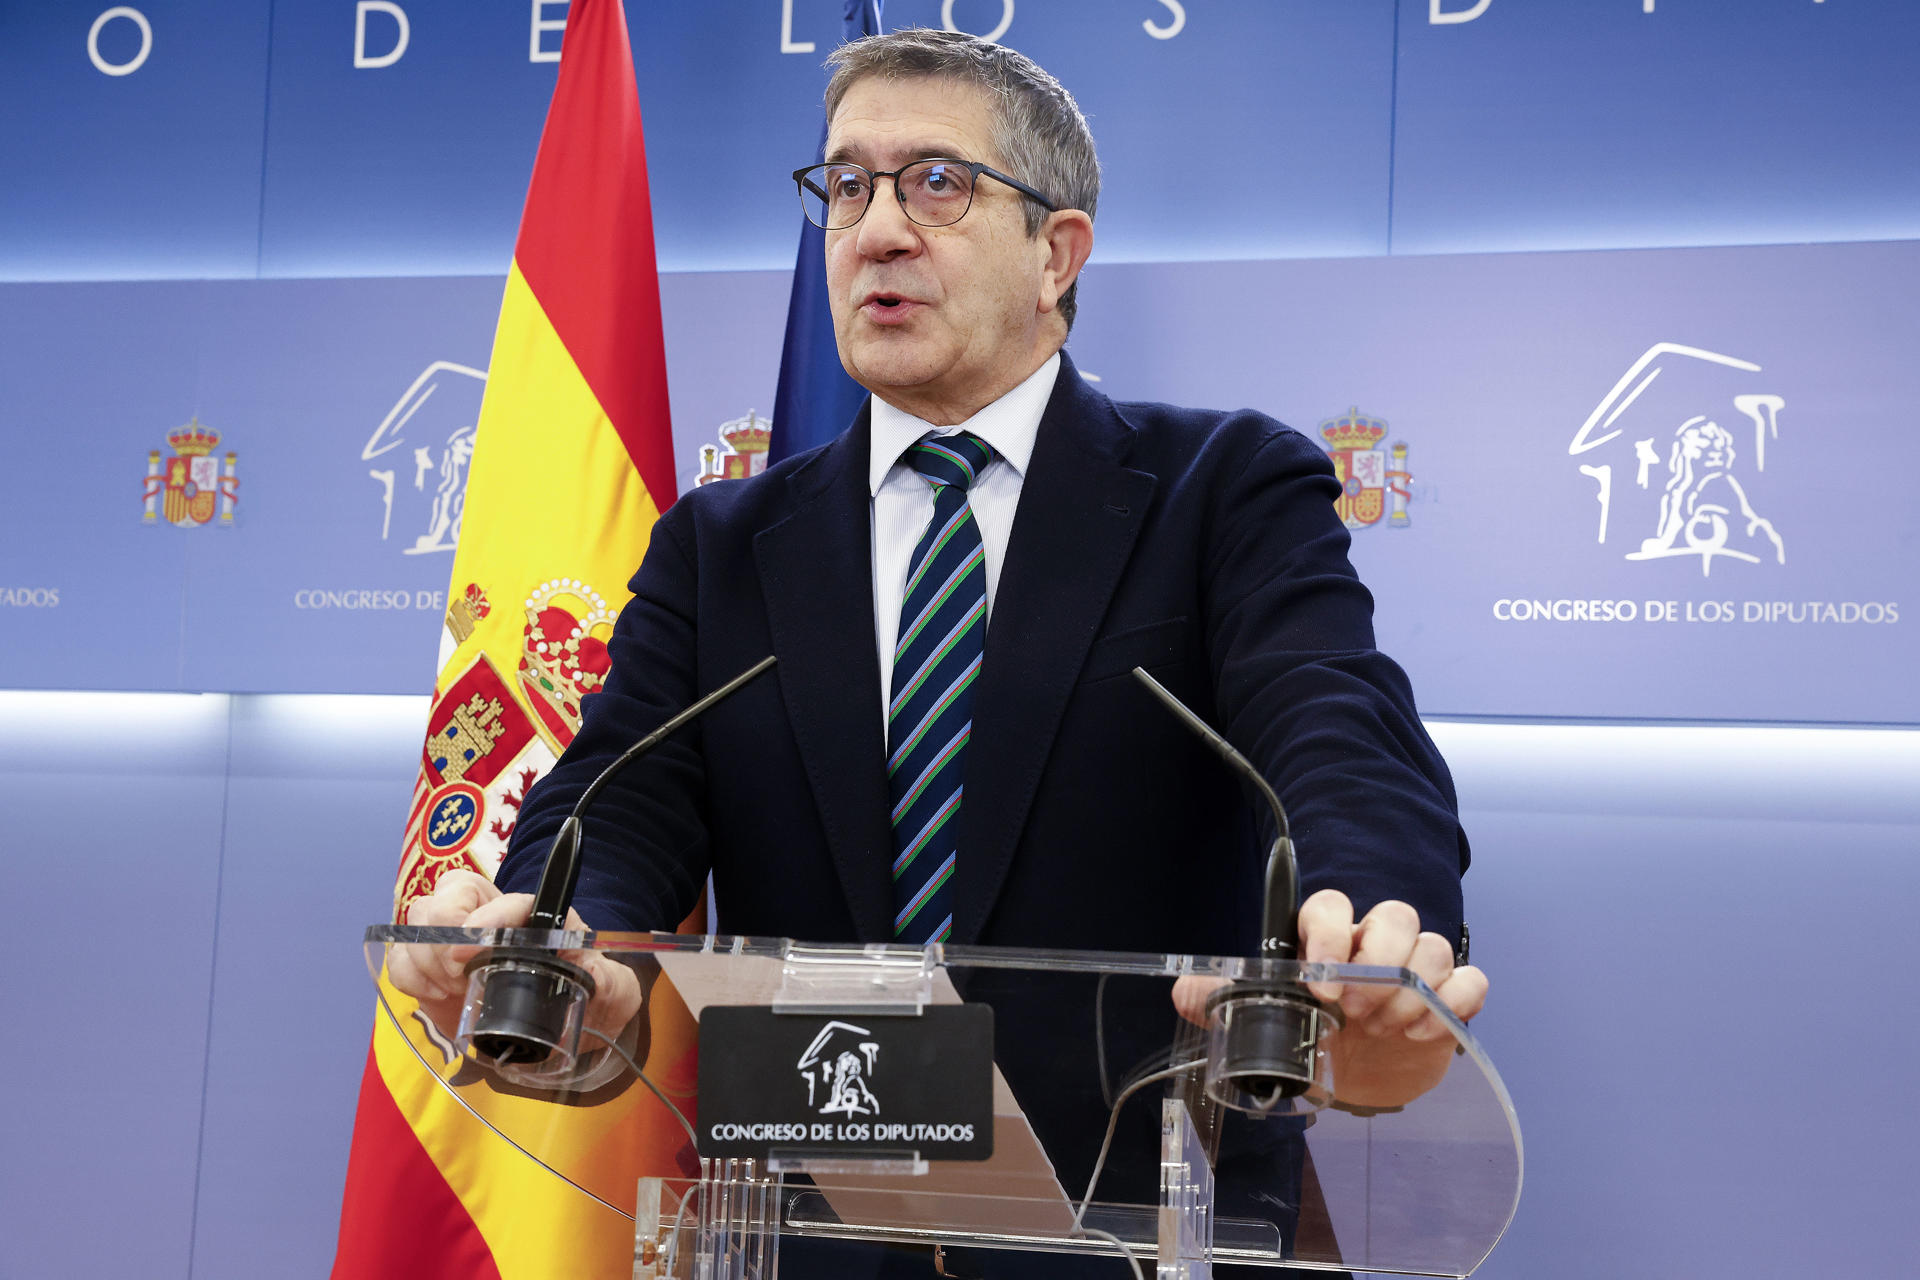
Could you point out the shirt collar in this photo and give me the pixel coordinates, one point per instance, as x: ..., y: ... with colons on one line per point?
x: 1009, y: 424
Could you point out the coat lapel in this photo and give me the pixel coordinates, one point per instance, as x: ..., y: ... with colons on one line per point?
x: 1080, y: 512
x: 816, y: 575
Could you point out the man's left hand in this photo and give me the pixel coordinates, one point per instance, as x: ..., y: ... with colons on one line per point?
x: 1388, y: 935
x: 1393, y: 1048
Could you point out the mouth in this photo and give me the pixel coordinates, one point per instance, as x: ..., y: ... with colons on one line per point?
x: 886, y: 307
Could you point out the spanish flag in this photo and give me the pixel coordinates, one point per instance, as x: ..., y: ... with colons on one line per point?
x: 572, y: 463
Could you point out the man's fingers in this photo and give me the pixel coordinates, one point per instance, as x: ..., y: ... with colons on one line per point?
x: 434, y: 972
x: 1432, y: 963
x: 420, y: 970
x: 508, y: 911
x: 413, y: 970
x: 428, y: 972
x: 577, y: 955
x: 470, y: 889
x: 616, y: 995
x: 1432, y: 959
x: 458, y: 895
x: 462, y: 899
x: 1190, y: 996
x: 1326, y: 928
x: 465, y: 899
x: 1385, y: 936
x: 1464, y: 992
x: 1326, y: 935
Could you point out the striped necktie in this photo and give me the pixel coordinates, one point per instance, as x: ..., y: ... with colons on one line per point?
x: 943, y: 628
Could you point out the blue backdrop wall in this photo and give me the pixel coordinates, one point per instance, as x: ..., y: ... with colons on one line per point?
x: 1522, y: 263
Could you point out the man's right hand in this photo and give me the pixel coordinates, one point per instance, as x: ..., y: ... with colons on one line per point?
x: 436, y: 975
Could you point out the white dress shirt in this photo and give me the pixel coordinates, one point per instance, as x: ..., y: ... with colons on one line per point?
x: 903, y: 502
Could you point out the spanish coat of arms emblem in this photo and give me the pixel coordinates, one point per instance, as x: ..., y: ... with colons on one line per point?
x: 192, y: 486
x: 1373, y: 480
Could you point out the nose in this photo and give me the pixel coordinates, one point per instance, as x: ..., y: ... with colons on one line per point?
x: 886, y: 231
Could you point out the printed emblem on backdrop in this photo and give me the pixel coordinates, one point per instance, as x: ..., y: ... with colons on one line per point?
x: 195, y: 484
x: 1374, y: 481
x: 421, y: 450
x: 742, y: 453
x: 1679, y: 456
x: 836, y: 1068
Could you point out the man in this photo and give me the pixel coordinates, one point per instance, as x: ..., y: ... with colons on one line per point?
x: 994, y: 546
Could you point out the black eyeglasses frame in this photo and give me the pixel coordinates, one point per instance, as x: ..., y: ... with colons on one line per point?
x: 974, y: 168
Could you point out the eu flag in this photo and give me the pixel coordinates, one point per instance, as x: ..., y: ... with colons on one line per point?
x: 815, y: 399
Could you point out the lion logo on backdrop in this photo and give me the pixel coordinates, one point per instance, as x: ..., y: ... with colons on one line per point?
x: 1667, y: 467
x: 194, y: 485
x: 421, y: 451
x: 1374, y: 481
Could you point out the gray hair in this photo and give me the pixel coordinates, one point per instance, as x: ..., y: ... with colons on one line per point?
x: 1037, y: 127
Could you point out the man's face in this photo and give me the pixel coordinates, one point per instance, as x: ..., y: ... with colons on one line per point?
x: 939, y: 321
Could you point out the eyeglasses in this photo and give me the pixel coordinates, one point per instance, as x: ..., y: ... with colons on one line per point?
x: 934, y: 193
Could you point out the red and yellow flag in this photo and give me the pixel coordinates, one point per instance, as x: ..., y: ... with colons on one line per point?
x: 572, y: 463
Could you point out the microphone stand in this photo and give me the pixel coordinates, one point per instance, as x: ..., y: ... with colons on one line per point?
x: 1264, y: 1030
x: 524, y: 1004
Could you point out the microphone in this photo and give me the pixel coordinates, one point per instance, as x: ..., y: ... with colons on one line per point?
x: 1279, y: 916
x: 1264, y: 1032
x: 524, y: 1004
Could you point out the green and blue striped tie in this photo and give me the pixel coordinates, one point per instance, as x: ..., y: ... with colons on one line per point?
x: 936, y: 660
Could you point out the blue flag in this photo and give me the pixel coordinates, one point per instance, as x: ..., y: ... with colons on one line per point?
x: 815, y: 399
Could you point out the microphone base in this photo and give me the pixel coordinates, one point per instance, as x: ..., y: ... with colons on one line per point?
x: 524, y: 1009
x: 1265, y: 1053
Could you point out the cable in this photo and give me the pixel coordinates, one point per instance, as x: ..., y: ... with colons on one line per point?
x: 1126, y: 1250
x: 1100, y: 1037
x: 1113, y: 1120
x: 1100, y: 1161
x: 1154, y: 1061
x: 652, y: 1088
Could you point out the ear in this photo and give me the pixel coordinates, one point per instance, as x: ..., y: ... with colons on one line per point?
x: 1065, y: 240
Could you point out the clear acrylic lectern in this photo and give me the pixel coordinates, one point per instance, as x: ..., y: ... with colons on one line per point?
x: 1119, y: 1130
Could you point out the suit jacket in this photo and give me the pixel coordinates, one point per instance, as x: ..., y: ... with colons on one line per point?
x: 1201, y: 545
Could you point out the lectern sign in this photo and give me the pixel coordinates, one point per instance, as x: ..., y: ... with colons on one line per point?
x: 848, y: 1085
